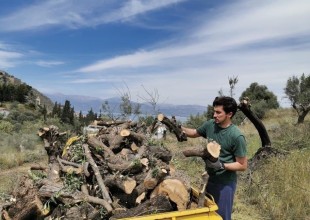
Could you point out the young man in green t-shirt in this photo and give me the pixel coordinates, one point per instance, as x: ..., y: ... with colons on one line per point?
x: 222, y: 173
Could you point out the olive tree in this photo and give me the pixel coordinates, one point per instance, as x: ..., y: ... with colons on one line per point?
x: 261, y: 99
x: 298, y: 92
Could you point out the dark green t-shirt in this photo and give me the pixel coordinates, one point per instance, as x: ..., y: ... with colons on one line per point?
x: 232, y: 143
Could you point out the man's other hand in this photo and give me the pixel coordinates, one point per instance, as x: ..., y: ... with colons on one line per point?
x: 217, y: 165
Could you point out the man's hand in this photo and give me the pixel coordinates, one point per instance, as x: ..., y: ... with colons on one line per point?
x: 217, y: 165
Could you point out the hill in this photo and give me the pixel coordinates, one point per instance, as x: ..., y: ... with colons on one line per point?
x: 85, y: 103
x: 34, y: 95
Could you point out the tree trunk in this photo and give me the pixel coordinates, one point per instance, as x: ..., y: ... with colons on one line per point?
x: 301, y: 117
x: 245, y: 108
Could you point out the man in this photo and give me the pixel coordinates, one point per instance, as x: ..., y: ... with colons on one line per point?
x: 222, y: 173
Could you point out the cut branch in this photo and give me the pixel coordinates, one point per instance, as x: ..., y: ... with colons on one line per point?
x: 94, y: 166
x: 180, y: 135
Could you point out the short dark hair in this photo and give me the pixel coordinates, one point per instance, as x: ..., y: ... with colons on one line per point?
x: 229, y: 104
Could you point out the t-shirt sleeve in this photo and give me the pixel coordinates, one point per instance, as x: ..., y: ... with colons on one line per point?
x: 240, y: 146
x: 202, y: 129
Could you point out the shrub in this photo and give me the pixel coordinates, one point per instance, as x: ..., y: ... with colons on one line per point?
x: 6, y: 126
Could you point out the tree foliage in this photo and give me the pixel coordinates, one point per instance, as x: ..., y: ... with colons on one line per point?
x: 65, y: 113
x: 261, y: 99
x: 298, y: 92
x: 11, y: 92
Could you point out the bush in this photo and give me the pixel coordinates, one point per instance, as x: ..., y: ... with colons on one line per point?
x: 6, y: 126
x: 291, y: 137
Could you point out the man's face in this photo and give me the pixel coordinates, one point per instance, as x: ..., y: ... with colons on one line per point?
x: 220, y: 115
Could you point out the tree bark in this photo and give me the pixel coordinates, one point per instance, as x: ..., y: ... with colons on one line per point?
x: 245, y: 108
x: 211, y: 152
x: 157, y: 204
x: 172, y: 127
x: 175, y: 190
x: 94, y: 166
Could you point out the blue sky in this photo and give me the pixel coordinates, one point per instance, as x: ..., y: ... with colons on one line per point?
x: 182, y: 50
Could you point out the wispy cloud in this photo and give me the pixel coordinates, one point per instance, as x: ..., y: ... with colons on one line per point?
x: 89, y: 80
x: 9, y: 58
x: 256, y: 38
x: 45, y: 63
x: 239, y: 27
x: 77, y: 13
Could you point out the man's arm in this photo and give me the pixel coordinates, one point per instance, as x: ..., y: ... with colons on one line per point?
x: 190, y: 132
x: 241, y: 164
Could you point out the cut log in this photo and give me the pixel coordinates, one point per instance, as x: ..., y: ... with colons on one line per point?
x: 145, y: 163
x: 126, y: 167
x: 140, y: 198
x: 94, y: 142
x: 127, y: 154
x: 156, y: 204
x: 115, y: 142
x: 138, y: 138
x: 49, y: 189
x: 126, y: 184
x: 180, y: 135
x: 134, y: 147
x: 159, y: 152
x: 153, y: 177
x: 70, y: 169
x: 175, y: 190
x: 211, y: 152
x: 5, y: 215
x: 27, y: 205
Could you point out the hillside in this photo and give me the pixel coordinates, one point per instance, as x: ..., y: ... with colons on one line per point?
x: 6, y: 78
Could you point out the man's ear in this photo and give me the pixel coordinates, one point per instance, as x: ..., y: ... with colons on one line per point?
x: 230, y: 114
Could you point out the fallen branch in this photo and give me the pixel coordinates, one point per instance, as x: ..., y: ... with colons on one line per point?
x: 172, y: 127
x: 94, y: 166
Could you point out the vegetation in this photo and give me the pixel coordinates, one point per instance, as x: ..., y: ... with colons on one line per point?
x: 11, y: 92
x: 298, y: 92
x: 261, y: 99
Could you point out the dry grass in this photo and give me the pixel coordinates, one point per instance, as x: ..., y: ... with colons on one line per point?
x: 281, y: 187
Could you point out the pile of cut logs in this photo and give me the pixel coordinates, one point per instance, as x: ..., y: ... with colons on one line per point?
x: 118, y: 172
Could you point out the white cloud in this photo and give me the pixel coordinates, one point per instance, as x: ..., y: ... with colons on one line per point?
x: 258, y: 41
x: 49, y: 63
x: 77, y: 13
x: 8, y: 58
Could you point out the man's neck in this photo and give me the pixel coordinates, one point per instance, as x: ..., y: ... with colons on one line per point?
x: 225, y: 124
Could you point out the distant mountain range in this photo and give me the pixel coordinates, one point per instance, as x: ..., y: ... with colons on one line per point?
x: 85, y: 103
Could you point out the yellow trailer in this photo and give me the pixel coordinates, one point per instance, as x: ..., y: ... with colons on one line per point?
x: 208, y: 212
